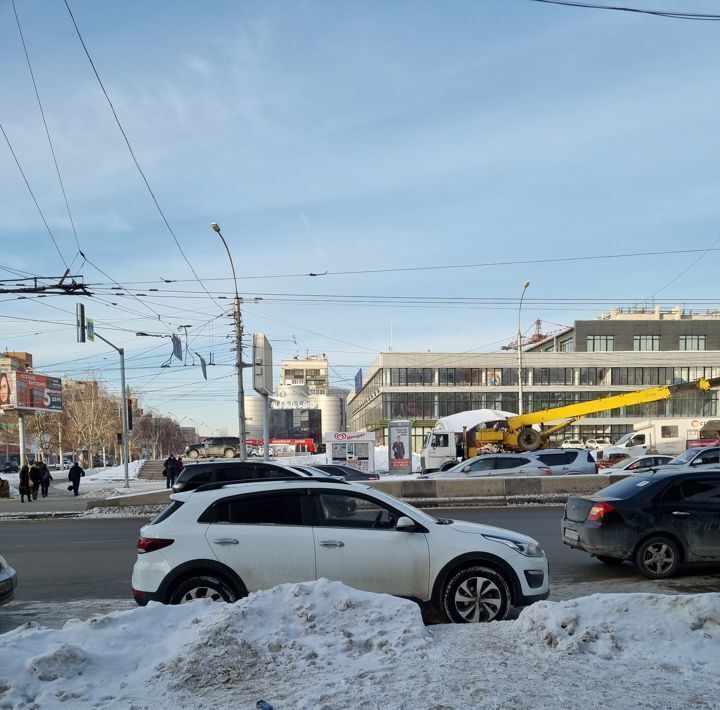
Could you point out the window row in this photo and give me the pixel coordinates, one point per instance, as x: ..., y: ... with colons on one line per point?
x: 606, y: 343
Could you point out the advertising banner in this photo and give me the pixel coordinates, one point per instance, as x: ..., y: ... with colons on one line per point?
x: 31, y: 391
x: 399, y: 451
x: 351, y: 448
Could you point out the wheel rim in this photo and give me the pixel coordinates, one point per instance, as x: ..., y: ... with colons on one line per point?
x: 201, y: 593
x: 658, y: 557
x: 193, y: 454
x: 478, y: 599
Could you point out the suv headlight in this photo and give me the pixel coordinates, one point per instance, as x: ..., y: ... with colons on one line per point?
x: 529, y: 549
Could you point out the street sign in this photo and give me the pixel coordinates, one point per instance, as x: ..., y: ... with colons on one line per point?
x: 90, y: 328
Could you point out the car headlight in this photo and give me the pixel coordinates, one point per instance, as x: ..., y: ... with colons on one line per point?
x: 529, y: 549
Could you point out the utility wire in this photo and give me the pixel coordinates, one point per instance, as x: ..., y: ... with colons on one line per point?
x: 32, y: 194
x: 132, y: 154
x: 47, y: 130
x: 672, y: 14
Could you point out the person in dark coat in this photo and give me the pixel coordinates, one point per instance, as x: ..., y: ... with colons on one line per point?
x: 74, y: 475
x: 45, y: 478
x: 172, y: 470
x: 35, y: 478
x: 24, y: 485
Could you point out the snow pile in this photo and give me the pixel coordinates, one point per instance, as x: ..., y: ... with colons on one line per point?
x: 649, y: 628
x: 114, y: 473
x: 324, y: 645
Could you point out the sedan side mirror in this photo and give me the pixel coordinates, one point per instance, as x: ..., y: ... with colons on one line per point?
x: 405, y: 524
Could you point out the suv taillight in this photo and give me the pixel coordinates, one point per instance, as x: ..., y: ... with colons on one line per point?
x: 599, y: 510
x: 150, y: 544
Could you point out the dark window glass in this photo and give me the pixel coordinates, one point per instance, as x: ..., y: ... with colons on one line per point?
x: 557, y: 459
x: 260, y: 510
x: 341, y: 510
x: 510, y: 462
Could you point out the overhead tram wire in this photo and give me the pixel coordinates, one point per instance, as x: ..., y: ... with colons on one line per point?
x: 670, y: 14
x: 134, y: 157
x: 47, y: 130
x: 32, y: 194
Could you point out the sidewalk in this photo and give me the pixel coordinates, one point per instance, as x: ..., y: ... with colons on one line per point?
x: 52, y: 505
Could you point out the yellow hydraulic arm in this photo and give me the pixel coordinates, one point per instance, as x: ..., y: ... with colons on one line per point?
x: 517, y: 432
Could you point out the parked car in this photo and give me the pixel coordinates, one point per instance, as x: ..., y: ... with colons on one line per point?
x: 311, y: 471
x: 612, y: 461
x: 227, y: 542
x: 658, y: 520
x: 494, y: 465
x: 9, y: 467
x: 597, y: 444
x: 701, y: 457
x: 571, y: 444
x: 567, y: 462
x: 225, y: 446
x: 195, y: 475
x: 639, y: 464
x: 347, y: 472
x: 8, y: 582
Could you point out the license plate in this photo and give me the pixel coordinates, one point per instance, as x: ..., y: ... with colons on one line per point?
x: 571, y: 534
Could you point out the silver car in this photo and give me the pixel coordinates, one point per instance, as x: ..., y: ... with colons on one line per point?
x: 567, y: 462
x: 701, y: 457
x: 639, y: 464
x: 494, y: 465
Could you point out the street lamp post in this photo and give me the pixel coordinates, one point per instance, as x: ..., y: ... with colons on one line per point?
x: 239, y: 358
x: 519, y: 349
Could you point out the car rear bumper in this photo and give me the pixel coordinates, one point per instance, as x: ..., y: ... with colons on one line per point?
x: 596, y: 539
x: 142, y: 598
x: 8, y: 582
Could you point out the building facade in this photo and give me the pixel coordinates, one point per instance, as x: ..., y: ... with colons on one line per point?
x: 618, y: 352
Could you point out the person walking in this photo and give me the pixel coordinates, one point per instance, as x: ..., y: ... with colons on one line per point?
x: 35, y: 478
x: 24, y: 485
x: 45, y: 478
x: 74, y: 475
x: 172, y: 470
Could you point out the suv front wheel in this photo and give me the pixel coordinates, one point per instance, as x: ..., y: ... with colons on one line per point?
x: 194, y: 453
x: 476, y: 594
x: 203, y: 587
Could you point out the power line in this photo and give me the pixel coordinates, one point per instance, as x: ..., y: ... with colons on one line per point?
x: 132, y: 153
x: 672, y: 14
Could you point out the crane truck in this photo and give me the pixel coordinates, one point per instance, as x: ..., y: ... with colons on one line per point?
x: 466, y: 434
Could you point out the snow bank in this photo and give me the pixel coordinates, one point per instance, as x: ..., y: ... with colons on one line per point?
x: 325, y: 645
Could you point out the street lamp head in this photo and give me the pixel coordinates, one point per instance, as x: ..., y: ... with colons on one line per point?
x: 526, y: 284
x: 215, y: 226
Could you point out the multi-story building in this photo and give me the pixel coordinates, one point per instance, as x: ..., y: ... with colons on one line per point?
x: 311, y: 373
x: 618, y: 352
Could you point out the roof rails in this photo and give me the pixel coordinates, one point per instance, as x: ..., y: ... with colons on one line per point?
x: 295, y: 479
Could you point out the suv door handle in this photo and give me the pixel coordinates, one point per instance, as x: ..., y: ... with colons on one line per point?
x: 226, y: 541
x: 680, y: 513
x: 331, y: 543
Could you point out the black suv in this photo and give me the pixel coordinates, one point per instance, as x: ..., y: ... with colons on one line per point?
x: 658, y: 520
x: 225, y: 446
x: 195, y: 475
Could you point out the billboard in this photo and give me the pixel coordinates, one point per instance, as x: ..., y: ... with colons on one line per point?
x: 262, y: 364
x: 31, y: 391
x: 399, y: 451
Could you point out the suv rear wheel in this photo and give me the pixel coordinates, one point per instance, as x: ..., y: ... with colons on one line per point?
x: 476, y: 594
x: 203, y: 587
x: 194, y: 454
x: 229, y: 453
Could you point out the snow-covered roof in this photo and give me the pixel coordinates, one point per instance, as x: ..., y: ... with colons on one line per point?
x: 471, y: 418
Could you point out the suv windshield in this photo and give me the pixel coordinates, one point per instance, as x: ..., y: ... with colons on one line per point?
x: 684, y: 458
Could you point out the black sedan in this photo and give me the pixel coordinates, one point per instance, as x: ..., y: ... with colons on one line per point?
x: 8, y: 467
x: 347, y: 472
x: 657, y: 520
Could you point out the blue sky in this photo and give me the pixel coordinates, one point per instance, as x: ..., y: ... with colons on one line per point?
x: 351, y: 137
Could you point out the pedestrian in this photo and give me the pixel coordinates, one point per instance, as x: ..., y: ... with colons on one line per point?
x: 171, y: 470
x: 35, y: 478
x: 181, y: 465
x: 74, y: 476
x: 45, y: 478
x: 24, y: 486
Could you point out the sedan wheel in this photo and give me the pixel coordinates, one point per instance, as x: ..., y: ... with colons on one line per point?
x: 476, y: 594
x: 658, y: 558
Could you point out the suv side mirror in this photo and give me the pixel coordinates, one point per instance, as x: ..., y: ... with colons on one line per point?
x: 405, y: 524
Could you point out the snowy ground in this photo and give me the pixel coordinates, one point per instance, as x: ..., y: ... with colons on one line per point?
x: 324, y: 645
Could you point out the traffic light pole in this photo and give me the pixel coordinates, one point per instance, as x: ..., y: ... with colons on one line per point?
x: 123, y: 408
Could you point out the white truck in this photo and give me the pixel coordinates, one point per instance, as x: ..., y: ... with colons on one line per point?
x: 666, y: 436
x: 446, y: 442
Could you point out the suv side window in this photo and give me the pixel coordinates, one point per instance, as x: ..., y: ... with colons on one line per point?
x: 189, y: 473
x: 482, y: 464
x: 342, y: 510
x: 263, y: 470
x: 273, y: 509
x: 511, y: 462
x: 559, y: 459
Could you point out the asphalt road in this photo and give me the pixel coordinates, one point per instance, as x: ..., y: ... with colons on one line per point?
x: 76, y: 567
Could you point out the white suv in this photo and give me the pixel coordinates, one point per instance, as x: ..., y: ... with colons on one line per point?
x: 223, y: 541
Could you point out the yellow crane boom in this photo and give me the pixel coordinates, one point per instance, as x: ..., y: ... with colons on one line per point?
x: 517, y: 432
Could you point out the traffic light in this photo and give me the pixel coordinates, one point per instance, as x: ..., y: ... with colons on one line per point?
x: 129, y: 414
